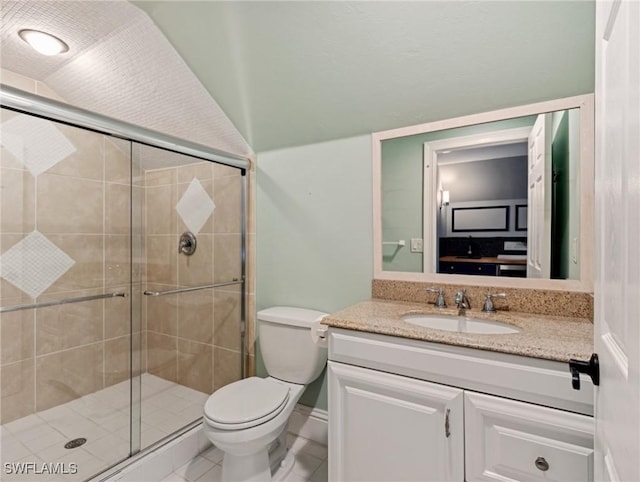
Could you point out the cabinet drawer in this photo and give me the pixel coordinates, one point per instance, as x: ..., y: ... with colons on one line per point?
x: 507, y: 440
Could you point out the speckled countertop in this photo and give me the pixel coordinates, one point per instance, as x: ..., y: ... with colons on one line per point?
x: 541, y: 336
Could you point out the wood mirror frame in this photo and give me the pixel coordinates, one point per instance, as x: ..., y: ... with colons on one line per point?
x: 585, y: 104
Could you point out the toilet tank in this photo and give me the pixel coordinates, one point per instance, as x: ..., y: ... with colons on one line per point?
x: 288, y: 350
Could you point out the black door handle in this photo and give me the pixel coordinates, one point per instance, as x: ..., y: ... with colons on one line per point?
x: 591, y: 368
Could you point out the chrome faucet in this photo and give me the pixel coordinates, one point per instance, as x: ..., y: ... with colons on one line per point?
x: 462, y: 302
x: 488, y: 306
x: 439, y: 302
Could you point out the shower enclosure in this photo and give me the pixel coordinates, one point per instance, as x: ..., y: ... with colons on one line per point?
x: 121, y: 286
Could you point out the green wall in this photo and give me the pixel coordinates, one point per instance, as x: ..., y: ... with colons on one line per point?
x: 314, y: 231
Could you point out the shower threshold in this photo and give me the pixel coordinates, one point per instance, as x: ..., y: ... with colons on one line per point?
x: 103, y: 419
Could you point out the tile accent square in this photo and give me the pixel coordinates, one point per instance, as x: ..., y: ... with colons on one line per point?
x: 195, y: 206
x: 34, y: 264
x: 36, y: 142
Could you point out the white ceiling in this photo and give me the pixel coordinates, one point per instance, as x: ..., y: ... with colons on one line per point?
x: 292, y: 73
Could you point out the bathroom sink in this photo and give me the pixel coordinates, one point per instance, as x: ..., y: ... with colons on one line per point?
x: 461, y: 324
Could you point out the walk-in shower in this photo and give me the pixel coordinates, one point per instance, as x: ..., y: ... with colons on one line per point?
x: 122, y: 285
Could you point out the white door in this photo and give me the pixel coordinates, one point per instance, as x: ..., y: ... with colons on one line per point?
x: 539, y: 199
x: 386, y: 427
x: 617, y: 289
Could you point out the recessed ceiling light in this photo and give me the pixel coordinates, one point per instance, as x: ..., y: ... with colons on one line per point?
x: 43, y: 42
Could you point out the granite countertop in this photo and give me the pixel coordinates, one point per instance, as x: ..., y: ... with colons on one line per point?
x: 541, y: 336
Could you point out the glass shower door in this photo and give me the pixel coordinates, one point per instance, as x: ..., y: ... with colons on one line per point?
x: 192, y: 286
x: 65, y: 299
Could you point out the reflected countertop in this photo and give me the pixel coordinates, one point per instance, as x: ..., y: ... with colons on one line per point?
x: 541, y: 336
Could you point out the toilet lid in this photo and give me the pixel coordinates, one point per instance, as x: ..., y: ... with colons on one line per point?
x: 246, y: 402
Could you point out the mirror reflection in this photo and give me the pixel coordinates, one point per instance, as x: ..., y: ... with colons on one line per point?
x: 494, y: 199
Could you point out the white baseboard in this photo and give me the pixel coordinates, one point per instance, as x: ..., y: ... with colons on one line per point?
x: 311, y: 423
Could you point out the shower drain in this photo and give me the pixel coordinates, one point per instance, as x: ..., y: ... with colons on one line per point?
x: 75, y: 443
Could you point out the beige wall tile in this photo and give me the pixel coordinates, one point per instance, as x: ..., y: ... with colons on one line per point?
x: 16, y: 336
x: 17, y: 201
x: 87, y: 161
x: 117, y: 314
x: 6, y: 158
x: 195, y: 316
x: 117, y: 160
x: 117, y: 209
x: 250, y: 268
x: 162, y: 259
x: 160, y: 208
x: 160, y: 177
x: 250, y: 365
x: 66, y: 326
x: 226, y: 367
x: 139, y: 353
x: 203, y: 171
x: 88, y: 271
x: 8, y: 292
x: 67, y: 375
x: 117, y: 360
x: 195, y: 365
x: 16, y: 392
x: 69, y: 205
x: 227, y: 311
x: 226, y: 257
x: 197, y: 269
x: 250, y: 315
x: 227, y: 217
x: 162, y: 356
x: 117, y: 260
x: 162, y: 314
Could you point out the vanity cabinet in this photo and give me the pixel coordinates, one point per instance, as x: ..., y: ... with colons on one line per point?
x: 405, y: 410
x: 389, y: 428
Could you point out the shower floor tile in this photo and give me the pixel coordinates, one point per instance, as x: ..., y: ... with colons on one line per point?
x: 102, y: 418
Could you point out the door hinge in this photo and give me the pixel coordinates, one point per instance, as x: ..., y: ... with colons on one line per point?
x: 591, y: 368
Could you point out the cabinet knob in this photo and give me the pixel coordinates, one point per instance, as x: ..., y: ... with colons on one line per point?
x: 542, y: 464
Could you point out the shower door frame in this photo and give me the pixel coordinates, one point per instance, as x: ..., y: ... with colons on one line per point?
x: 30, y: 104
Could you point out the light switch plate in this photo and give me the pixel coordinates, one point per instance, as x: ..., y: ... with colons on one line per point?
x: 416, y: 245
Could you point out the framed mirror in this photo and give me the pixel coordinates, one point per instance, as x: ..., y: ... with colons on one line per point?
x: 502, y: 198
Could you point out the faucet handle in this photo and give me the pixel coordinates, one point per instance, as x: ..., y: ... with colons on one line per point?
x: 488, y: 306
x: 440, y: 302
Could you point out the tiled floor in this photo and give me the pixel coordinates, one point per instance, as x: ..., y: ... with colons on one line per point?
x: 310, y: 466
x: 103, y: 419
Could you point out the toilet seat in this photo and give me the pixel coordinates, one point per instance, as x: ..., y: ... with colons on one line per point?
x: 246, y: 403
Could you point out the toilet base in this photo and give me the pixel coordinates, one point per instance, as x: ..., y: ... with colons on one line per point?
x: 285, y: 467
x: 246, y: 468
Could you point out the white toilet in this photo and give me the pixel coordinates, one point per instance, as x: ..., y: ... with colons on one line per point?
x: 247, y: 419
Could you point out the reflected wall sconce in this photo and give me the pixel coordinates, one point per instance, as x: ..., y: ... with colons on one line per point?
x: 444, y: 198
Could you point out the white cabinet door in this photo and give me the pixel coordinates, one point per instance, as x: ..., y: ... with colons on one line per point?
x: 385, y: 427
x: 511, y: 441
